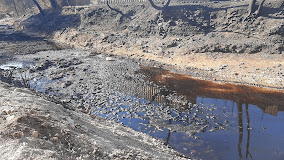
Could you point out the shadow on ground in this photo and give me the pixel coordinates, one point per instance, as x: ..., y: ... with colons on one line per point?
x: 17, y: 36
x: 51, y: 22
x: 195, y: 15
x: 267, y: 12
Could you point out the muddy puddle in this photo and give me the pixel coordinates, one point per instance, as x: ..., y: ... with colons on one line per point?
x: 243, y: 122
x: 201, y: 119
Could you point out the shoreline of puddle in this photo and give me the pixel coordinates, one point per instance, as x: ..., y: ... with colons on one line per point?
x: 201, y: 119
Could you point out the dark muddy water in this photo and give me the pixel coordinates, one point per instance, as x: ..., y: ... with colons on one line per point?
x: 253, y: 116
x: 201, y: 119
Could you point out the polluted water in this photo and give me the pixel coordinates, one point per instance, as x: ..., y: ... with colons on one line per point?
x: 202, y: 119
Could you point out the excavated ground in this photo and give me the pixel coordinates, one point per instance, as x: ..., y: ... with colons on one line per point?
x: 204, y: 40
x: 208, y: 40
x: 211, y: 38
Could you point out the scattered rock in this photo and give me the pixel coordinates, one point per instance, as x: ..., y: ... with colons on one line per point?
x: 17, y: 135
x: 32, y: 111
x: 10, y: 118
x: 67, y: 84
x: 71, y: 121
x: 54, y: 139
x: 223, y: 66
x: 35, y: 134
x: 4, y: 112
x: 109, y: 59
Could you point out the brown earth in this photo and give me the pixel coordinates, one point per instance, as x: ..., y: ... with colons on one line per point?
x: 209, y: 40
x: 206, y: 40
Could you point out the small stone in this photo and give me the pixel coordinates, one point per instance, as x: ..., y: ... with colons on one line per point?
x: 17, y: 135
x: 10, y: 118
x: 71, y: 121
x: 67, y: 84
x: 45, y: 125
x: 35, y: 134
x: 96, y: 150
x: 223, y: 66
x: 26, y: 131
x: 54, y: 139
x: 32, y: 111
x: 209, y: 69
x: 4, y: 112
x: 109, y: 59
x: 88, y: 110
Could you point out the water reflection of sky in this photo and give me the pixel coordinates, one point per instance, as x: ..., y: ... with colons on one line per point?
x: 252, y: 134
x: 232, y: 127
x: 14, y: 65
x: 201, y: 119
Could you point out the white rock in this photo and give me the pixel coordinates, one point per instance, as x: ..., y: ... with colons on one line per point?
x: 9, y: 118
x: 71, y: 121
x: 109, y: 59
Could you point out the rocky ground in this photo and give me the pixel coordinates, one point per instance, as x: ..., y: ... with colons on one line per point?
x: 211, y: 38
x: 211, y: 41
x: 33, y: 127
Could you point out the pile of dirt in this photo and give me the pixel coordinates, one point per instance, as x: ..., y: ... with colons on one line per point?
x: 190, y: 28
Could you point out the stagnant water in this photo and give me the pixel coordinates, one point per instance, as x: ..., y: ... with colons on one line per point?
x: 201, y: 119
x: 208, y: 120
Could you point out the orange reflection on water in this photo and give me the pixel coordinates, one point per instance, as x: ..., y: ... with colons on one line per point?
x: 269, y: 100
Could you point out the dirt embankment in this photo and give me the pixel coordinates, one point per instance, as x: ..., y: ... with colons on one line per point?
x: 209, y: 40
x: 35, y: 128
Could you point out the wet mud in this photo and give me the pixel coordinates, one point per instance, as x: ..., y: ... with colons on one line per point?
x: 199, y: 118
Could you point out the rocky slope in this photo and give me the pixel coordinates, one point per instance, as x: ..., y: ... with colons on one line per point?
x: 197, y: 36
x: 33, y: 127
